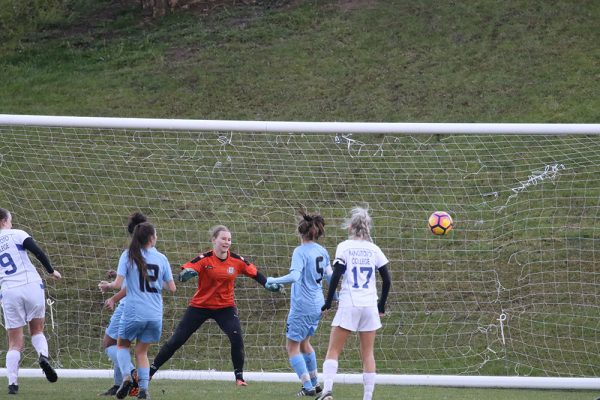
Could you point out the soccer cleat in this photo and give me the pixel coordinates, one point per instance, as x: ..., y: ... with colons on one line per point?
x: 318, y: 388
x: 47, y: 368
x: 111, y: 391
x: 306, y: 392
x: 135, y: 388
x: 325, y: 396
x: 125, y: 387
x: 13, y: 389
x: 241, y: 382
x: 143, y: 394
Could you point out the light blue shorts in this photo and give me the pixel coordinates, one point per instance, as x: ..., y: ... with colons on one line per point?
x: 112, y: 330
x: 143, y: 331
x: 301, y: 326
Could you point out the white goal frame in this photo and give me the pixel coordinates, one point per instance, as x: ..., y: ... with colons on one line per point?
x: 339, y: 128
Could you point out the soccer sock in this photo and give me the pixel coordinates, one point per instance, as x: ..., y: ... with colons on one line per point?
x: 124, y: 359
x: 13, y: 357
x: 111, y: 352
x: 143, y: 377
x: 369, y: 385
x: 311, y: 365
x: 329, y: 370
x: 239, y: 374
x: 40, y: 344
x: 299, y: 365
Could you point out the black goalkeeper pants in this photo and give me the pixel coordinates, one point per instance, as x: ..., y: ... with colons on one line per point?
x: 228, y: 321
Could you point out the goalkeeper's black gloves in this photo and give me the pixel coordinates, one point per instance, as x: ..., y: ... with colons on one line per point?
x: 186, y: 274
x: 273, y: 287
x: 326, y: 306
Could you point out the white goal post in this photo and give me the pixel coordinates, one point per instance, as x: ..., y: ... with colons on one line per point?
x: 510, y: 298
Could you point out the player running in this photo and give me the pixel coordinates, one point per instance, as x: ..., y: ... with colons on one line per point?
x: 356, y: 261
x: 145, y: 271
x: 22, y: 298
x: 109, y: 341
x: 310, y: 262
x: 214, y: 298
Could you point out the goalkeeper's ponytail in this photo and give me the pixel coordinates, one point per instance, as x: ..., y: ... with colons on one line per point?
x: 142, y: 235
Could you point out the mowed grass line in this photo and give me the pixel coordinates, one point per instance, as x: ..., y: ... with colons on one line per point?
x: 193, y: 390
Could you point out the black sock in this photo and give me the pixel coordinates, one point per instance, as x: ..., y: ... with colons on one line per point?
x: 239, y: 374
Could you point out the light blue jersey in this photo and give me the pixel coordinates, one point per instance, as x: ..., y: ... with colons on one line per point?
x: 310, y: 260
x: 144, y: 297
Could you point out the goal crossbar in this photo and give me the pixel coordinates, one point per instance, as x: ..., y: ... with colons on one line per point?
x: 413, y: 128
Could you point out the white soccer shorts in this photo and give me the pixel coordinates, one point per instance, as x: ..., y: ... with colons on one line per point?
x: 361, y: 319
x: 23, y: 303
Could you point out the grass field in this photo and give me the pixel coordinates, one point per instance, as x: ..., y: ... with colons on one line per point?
x: 533, y: 256
x: 193, y: 390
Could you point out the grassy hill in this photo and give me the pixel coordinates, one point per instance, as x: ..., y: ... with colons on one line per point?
x: 485, y: 61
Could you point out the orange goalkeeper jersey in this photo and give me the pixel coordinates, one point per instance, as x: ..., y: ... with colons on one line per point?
x: 216, y: 279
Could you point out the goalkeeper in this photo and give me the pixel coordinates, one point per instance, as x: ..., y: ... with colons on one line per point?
x: 310, y: 261
x: 214, y: 298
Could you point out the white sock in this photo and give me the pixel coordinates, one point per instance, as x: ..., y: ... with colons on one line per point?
x: 329, y: 370
x: 369, y: 385
x: 40, y: 344
x: 13, y: 357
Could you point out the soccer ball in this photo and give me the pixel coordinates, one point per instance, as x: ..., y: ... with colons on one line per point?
x: 440, y: 223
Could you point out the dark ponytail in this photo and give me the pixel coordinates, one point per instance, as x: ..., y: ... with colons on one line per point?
x: 311, y: 226
x: 142, y: 235
x: 4, y: 214
x: 135, y: 219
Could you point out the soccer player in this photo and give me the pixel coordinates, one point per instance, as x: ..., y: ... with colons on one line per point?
x: 23, y: 301
x: 216, y: 271
x: 112, y: 330
x: 310, y: 262
x: 145, y: 271
x: 356, y: 261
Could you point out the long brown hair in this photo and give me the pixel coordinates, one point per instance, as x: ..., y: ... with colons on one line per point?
x: 134, y: 220
x: 311, y: 226
x: 142, y: 234
x: 3, y: 214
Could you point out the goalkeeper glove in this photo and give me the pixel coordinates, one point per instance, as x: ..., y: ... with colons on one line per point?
x: 273, y: 287
x: 186, y: 275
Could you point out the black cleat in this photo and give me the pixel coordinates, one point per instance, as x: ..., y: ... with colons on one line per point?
x: 110, y: 392
x: 306, y: 392
x: 143, y: 394
x: 325, y: 396
x: 318, y: 388
x: 47, y: 368
x: 123, y: 390
x: 13, y: 389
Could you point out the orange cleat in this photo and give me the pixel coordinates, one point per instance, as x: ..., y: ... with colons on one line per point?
x: 135, y: 388
x: 241, y: 382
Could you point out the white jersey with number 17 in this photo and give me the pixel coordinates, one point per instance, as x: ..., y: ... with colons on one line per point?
x: 362, y: 259
x: 16, y: 268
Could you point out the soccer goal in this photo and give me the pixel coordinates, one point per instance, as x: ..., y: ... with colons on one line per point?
x: 510, y: 297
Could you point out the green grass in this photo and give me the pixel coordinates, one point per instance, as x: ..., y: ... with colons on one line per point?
x: 532, y: 256
x: 424, y: 60
x: 192, y: 390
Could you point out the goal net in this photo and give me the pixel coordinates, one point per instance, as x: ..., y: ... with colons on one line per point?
x: 512, y: 290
